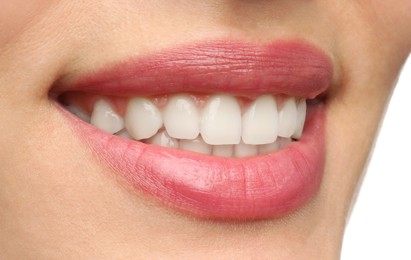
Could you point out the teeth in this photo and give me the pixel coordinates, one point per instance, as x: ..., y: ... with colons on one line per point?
x: 288, y: 118
x: 223, y: 150
x: 269, y: 148
x: 196, y: 145
x: 79, y: 113
x: 163, y: 139
x: 181, y: 117
x: 221, y: 121
x: 143, y: 119
x: 123, y: 133
x: 105, y: 118
x: 260, y: 121
x: 301, y: 114
x: 245, y: 150
x: 283, y: 142
x: 218, y: 128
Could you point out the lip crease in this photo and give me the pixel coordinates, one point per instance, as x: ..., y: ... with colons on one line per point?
x: 251, y: 188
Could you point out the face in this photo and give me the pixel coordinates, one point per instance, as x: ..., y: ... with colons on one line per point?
x: 227, y: 86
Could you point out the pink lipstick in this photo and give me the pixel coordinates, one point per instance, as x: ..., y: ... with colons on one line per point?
x: 205, y: 186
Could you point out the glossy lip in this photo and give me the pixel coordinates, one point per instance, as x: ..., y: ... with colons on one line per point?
x: 205, y: 186
x: 295, y: 68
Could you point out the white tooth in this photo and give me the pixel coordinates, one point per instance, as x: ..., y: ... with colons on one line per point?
x: 301, y: 114
x: 260, y: 121
x: 143, y: 119
x: 283, y: 142
x: 197, y: 145
x: 269, y: 148
x: 287, y: 118
x: 221, y: 121
x: 163, y: 139
x: 181, y: 117
x: 223, y: 150
x: 123, y: 133
x: 105, y: 118
x: 78, y: 112
x: 245, y: 150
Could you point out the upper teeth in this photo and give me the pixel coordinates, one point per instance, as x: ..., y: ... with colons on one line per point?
x: 181, y: 117
x: 287, y: 118
x: 212, y: 127
x: 105, y: 118
x: 260, y: 121
x: 143, y: 119
x: 221, y: 120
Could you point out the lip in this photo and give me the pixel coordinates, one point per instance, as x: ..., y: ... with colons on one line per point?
x: 252, y: 188
x: 294, y: 68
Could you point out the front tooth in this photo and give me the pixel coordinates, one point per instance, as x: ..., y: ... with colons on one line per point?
x: 105, y: 118
x: 79, y: 113
x: 287, y: 118
x: 163, y: 139
x: 143, y: 119
x: 245, y: 150
x: 260, y: 121
x: 197, y: 145
x: 223, y: 150
x: 181, y: 117
x: 301, y: 114
x: 221, y: 121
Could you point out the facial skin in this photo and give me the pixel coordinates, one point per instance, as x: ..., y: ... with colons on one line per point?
x: 58, y: 202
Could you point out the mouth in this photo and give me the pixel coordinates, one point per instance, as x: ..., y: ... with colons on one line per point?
x: 219, y: 130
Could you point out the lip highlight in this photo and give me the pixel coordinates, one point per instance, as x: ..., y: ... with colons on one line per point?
x: 205, y: 186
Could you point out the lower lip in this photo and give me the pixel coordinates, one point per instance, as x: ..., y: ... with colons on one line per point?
x: 209, y: 187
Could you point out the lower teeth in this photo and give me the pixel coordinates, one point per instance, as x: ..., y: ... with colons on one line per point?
x: 198, y: 145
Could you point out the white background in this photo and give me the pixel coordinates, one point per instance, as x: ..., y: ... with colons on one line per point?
x: 380, y: 225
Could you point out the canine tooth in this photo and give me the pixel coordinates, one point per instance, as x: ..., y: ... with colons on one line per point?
x: 79, y: 113
x: 143, y: 119
x: 181, y: 117
x: 245, y: 150
x: 105, y: 118
x: 197, y: 145
x: 223, y: 150
x: 260, y: 121
x: 269, y: 148
x: 163, y: 139
x: 301, y: 114
x: 221, y: 121
x: 287, y: 118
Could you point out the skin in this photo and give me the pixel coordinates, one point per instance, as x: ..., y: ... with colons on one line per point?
x: 58, y: 202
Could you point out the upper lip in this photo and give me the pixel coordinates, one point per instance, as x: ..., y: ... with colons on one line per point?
x: 247, y: 188
x: 294, y: 68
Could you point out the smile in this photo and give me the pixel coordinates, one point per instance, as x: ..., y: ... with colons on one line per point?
x: 222, y: 130
x: 212, y: 125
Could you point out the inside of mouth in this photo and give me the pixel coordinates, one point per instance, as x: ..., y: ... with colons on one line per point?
x: 215, y: 124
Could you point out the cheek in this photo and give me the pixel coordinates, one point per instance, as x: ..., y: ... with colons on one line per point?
x: 16, y: 15
x: 393, y: 18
